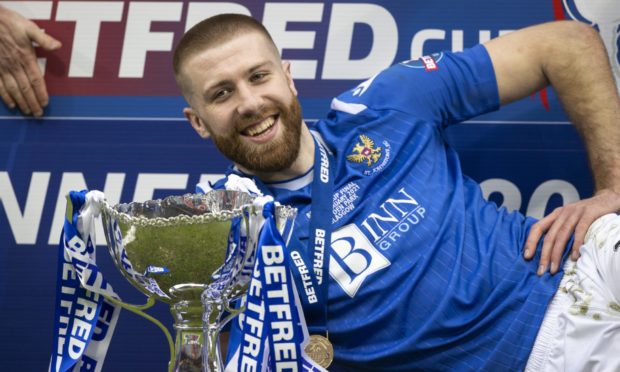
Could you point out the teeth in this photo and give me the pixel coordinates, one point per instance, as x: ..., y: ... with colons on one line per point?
x: 260, y: 128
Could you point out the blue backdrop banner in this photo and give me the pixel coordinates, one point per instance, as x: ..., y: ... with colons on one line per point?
x: 115, y: 124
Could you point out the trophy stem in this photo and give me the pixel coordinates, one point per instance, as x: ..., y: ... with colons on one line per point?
x: 189, y: 340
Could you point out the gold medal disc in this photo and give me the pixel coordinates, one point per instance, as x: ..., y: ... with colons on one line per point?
x: 320, y: 350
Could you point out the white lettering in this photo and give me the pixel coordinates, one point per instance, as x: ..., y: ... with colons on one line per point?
x: 147, y: 183
x: 80, y: 329
x: 87, y: 27
x: 457, y: 40
x: 484, y: 36
x: 511, y: 196
x: 282, y: 331
x: 67, y: 290
x: 64, y: 321
x: 75, y: 181
x: 276, y: 16
x: 25, y: 226
x: 285, y: 350
x: 256, y: 326
x: 106, y: 315
x: 272, y: 254
x: 85, y: 308
x: 76, y: 347
x: 337, y: 64
x: 196, y: 12
x: 376, y: 219
x: 255, y: 287
x: 275, y: 274
x: 540, y: 198
x: 257, y: 309
x: 138, y: 37
x: 324, y: 175
x: 393, y: 236
x: 505, y: 32
x: 281, y: 293
x: 76, y: 244
x: 421, y: 37
x: 30, y: 9
x: 389, y: 218
x: 251, y: 345
x: 248, y: 364
x: 282, y: 311
x: 305, y: 278
x: 319, y: 253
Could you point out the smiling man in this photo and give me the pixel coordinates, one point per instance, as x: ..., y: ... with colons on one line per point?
x: 423, y: 273
x: 243, y: 98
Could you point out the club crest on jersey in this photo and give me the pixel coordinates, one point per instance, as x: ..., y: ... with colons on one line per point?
x: 429, y: 63
x: 366, y: 152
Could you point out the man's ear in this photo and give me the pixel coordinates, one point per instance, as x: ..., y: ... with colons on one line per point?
x: 197, y: 123
x: 286, y: 66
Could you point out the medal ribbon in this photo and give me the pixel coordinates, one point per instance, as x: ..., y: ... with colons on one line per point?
x: 315, y: 282
x: 271, y: 333
x: 84, y: 319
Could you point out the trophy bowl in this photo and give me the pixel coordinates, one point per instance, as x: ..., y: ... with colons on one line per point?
x: 173, y: 250
x: 194, y: 252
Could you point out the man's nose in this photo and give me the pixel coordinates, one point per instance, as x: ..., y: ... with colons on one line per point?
x: 250, y: 100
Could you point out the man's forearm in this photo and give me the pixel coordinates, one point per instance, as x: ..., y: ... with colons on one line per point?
x: 582, y: 79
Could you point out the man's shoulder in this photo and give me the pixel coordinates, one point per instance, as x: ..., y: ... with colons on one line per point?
x: 407, y: 84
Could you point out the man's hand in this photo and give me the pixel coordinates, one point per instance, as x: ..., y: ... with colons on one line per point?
x: 562, y: 223
x: 21, y: 80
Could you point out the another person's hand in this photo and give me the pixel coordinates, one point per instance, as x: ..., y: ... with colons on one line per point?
x: 562, y: 223
x: 21, y: 80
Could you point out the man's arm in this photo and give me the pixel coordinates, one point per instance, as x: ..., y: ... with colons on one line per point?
x: 571, y: 57
x: 21, y: 81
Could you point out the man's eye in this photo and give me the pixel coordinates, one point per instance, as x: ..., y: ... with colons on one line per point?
x: 258, y: 76
x: 220, y: 94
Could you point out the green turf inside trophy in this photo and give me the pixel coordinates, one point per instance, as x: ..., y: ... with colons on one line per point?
x: 187, y: 251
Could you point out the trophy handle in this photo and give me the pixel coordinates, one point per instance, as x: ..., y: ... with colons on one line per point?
x: 139, y: 310
x: 232, y: 312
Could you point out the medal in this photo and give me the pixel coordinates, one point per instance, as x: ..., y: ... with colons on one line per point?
x: 320, y: 350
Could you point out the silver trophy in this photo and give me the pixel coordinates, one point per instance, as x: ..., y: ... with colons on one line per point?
x: 189, y: 251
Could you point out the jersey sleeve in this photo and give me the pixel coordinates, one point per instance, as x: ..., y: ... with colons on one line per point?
x: 444, y: 88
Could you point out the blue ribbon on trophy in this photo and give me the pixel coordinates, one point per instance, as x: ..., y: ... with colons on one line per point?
x: 271, y: 333
x: 84, y: 319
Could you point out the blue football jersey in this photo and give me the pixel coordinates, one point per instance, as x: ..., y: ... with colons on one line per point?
x: 425, y: 274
